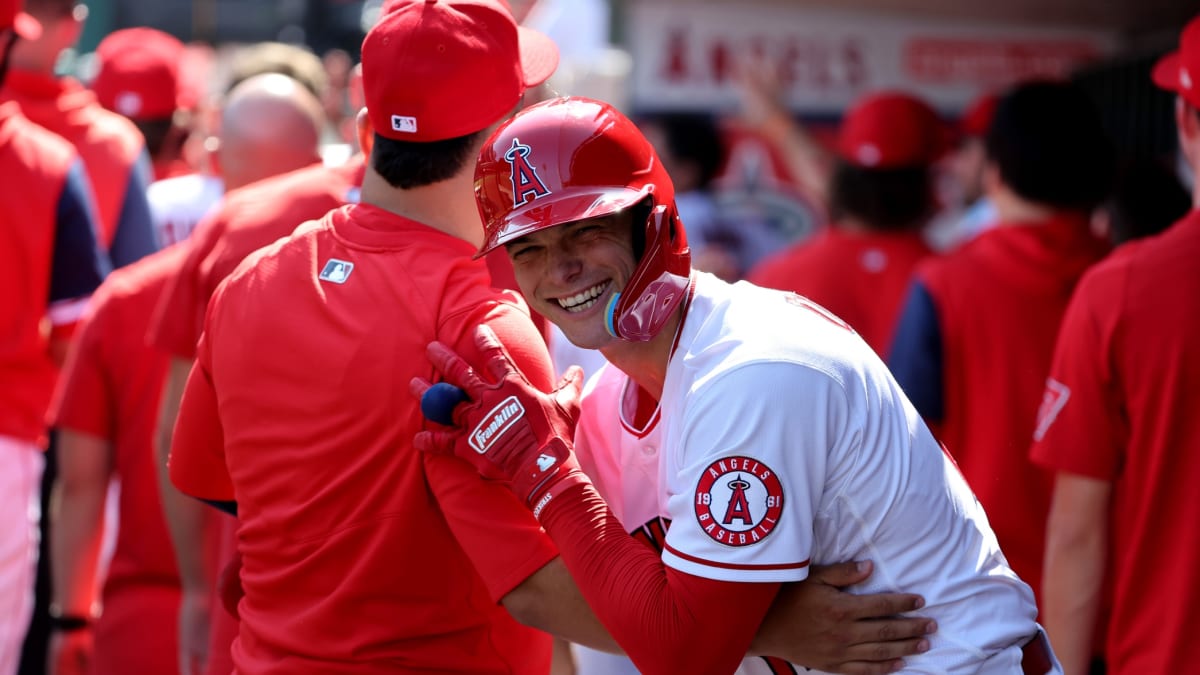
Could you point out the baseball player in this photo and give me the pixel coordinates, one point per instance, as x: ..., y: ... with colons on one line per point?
x: 137, y: 75
x: 287, y: 409
x: 976, y: 332
x: 52, y: 264
x: 112, y: 148
x: 105, y: 410
x: 1118, y: 426
x: 784, y: 440
x: 880, y: 200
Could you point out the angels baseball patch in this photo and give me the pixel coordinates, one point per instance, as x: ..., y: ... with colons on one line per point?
x: 738, y: 501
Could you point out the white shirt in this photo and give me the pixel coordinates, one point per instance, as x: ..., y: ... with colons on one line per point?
x: 784, y: 442
x: 177, y: 204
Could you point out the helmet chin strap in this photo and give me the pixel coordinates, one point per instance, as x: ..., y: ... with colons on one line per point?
x: 610, y: 314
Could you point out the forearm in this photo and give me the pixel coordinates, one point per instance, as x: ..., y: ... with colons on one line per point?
x: 1076, y: 554
x: 76, y: 534
x: 185, y: 516
x: 666, y: 621
x: 549, y: 600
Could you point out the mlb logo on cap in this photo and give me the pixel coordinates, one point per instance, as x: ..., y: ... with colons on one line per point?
x: 404, y: 124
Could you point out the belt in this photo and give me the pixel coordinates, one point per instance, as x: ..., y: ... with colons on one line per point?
x: 1036, y: 656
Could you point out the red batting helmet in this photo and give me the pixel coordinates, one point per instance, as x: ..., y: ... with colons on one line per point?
x: 574, y: 158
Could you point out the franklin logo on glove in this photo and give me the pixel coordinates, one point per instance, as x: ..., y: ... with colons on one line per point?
x: 495, y: 423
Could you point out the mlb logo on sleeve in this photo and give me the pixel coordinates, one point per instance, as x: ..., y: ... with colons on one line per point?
x: 336, y: 271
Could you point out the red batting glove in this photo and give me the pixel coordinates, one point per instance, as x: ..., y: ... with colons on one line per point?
x: 508, y: 428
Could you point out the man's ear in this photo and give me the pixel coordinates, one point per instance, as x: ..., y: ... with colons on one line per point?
x: 366, y: 132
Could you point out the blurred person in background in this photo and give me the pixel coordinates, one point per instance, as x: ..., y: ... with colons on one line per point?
x: 976, y: 335
x: 138, y: 76
x: 49, y: 234
x: 107, y: 412
x: 112, y: 148
x: 966, y: 210
x: 1118, y: 427
x: 880, y: 199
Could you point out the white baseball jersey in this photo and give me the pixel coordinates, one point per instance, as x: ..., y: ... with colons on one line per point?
x: 178, y: 204
x: 783, y: 441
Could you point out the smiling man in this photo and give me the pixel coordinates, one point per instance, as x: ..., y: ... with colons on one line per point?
x: 785, y: 442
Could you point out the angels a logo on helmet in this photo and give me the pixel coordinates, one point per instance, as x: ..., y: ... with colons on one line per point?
x: 525, y: 180
x: 739, y: 501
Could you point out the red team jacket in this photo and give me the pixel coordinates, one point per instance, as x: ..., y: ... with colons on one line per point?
x: 859, y: 276
x: 972, y: 351
x: 112, y: 149
x: 48, y: 239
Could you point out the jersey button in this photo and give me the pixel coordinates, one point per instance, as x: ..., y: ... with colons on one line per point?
x: 649, y: 450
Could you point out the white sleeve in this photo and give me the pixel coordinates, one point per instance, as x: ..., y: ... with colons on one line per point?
x: 750, y: 462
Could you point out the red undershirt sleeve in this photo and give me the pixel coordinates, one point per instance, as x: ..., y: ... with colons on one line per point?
x: 667, y: 621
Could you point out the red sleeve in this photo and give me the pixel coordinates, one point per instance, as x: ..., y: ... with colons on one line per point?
x: 507, y: 546
x: 1080, y: 427
x: 197, y: 462
x: 667, y: 621
x: 83, y: 400
x: 179, y: 316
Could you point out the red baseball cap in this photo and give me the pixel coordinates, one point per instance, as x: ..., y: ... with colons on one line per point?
x: 978, y: 116
x: 1179, y: 71
x: 138, y: 73
x: 889, y: 130
x: 438, y: 69
x: 12, y: 15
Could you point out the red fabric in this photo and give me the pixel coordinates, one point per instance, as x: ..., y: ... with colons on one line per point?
x: 666, y: 621
x: 138, y: 72
x: 139, y: 632
x: 891, y: 129
x: 34, y: 165
x: 480, y: 71
x: 1128, y: 355
x: 1177, y: 70
x: 358, y: 552
x: 999, y: 301
x: 247, y: 219
x: 862, y: 277
x: 108, y: 143
x: 110, y: 389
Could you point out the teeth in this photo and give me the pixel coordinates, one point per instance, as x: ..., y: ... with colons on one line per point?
x: 581, y: 301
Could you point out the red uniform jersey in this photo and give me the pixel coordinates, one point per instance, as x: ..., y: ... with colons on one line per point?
x: 48, y: 240
x: 1121, y: 406
x: 359, y: 554
x: 247, y: 219
x: 110, y: 389
x: 859, y: 276
x: 975, y: 365
x: 112, y: 149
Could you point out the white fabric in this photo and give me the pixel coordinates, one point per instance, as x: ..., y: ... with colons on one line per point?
x: 767, y: 376
x: 21, y: 465
x: 178, y: 204
x: 66, y: 312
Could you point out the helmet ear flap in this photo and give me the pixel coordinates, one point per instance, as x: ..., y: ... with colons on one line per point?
x: 640, y: 224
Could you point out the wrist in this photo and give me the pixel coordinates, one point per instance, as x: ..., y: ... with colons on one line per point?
x: 66, y: 621
x: 566, y: 480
